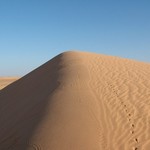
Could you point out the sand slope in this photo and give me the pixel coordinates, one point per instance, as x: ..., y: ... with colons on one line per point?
x: 78, y: 101
x: 4, y: 81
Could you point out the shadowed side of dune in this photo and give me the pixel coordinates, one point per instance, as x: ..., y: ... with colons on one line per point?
x: 23, y: 105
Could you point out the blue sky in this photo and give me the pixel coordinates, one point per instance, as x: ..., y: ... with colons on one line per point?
x: 34, y: 31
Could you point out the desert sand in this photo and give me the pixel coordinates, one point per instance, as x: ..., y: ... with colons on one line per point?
x: 4, y: 81
x: 78, y: 101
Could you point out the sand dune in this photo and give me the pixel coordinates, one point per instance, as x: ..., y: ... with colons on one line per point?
x: 78, y: 101
x: 4, y: 81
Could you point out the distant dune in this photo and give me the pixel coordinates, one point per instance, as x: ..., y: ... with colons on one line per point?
x: 78, y: 101
x: 4, y: 81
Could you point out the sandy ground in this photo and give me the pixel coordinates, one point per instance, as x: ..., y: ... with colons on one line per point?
x: 4, y: 81
x: 78, y: 101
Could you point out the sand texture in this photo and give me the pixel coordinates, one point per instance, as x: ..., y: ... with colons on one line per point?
x: 78, y: 101
x: 4, y: 81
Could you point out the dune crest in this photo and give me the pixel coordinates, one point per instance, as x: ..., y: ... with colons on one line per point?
x: 78, y: 101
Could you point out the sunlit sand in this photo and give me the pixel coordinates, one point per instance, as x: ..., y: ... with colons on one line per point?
x: 78, y: 101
